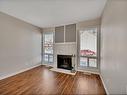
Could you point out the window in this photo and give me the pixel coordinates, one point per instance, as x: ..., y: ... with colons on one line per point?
x: 48, y: 47
x: 88, y: 48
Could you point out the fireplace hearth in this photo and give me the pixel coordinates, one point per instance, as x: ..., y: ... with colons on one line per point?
x: 64, y: 62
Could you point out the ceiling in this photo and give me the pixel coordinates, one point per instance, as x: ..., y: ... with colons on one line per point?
x: 50, y: 13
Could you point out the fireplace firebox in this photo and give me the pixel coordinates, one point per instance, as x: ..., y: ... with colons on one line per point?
x: 64, y: 62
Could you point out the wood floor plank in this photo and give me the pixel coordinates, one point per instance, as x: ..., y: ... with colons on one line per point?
x: 42, y: 81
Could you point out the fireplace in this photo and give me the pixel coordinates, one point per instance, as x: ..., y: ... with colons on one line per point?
x: 64, y: 62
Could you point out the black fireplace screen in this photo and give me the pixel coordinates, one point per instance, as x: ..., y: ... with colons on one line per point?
x: 64, y: 61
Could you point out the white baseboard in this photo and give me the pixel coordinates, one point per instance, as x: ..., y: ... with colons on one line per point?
x: 104, y: 85
x: 86, y: 71
x: 47, y: 65
x: 23, y: 70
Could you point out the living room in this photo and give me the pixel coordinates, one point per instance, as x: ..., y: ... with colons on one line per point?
x: 63, y: 47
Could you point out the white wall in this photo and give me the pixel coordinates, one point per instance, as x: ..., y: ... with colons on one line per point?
x: 114, y: 47
x: 20, y: 45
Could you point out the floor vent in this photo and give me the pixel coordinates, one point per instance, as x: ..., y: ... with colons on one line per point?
x: 87, y: 73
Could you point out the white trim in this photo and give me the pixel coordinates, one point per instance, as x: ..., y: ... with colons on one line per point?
x: 18, y: 72
x: 49, y: 65
x: 104, y: 85
x: 86, y: 71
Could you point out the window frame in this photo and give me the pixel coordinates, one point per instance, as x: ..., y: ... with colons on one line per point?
x: 97, y: 57
x: 49, y: 54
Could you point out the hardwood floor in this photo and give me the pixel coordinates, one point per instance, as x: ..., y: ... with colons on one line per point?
x: 42, y: 81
